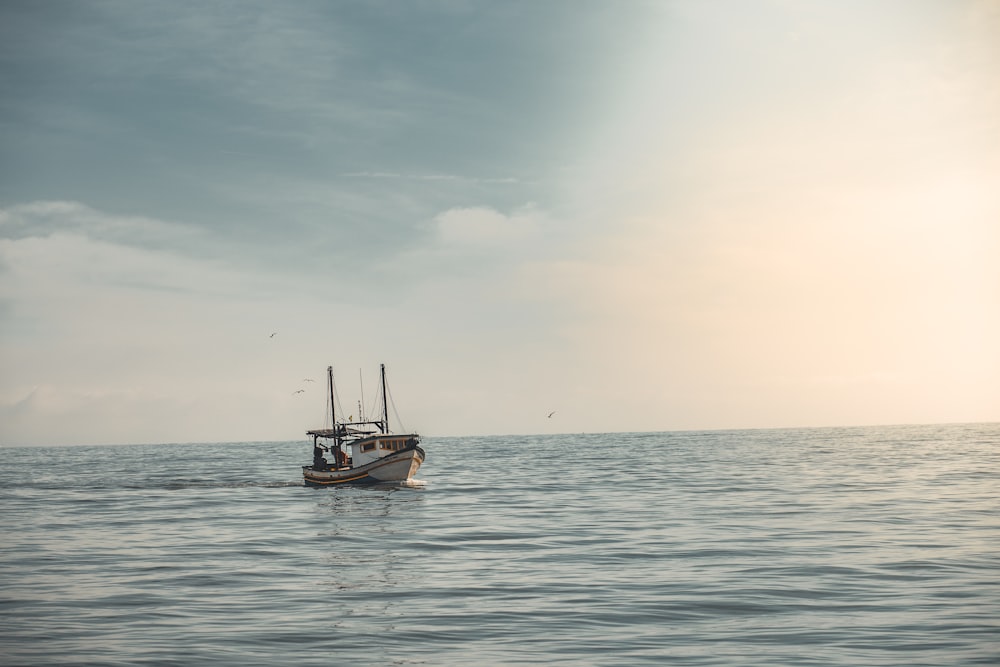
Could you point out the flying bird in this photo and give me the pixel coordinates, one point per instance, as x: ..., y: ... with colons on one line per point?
x: 551, y: 413
x: 298, y: 392
x: 308, y: 380
x: 273, y: 335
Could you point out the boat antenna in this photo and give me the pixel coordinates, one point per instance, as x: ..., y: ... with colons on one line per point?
x: 385, y: 404
x: 361, y: 403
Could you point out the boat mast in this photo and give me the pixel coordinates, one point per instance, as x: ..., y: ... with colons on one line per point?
x: 335, y: 450
x: 333, y: 414
x: 385, y: 404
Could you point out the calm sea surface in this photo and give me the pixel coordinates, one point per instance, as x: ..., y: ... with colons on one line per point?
x: 854, y: 546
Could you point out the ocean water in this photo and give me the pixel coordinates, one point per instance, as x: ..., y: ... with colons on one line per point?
x: 847, y: 546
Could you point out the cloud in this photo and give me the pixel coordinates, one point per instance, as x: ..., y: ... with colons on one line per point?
x: 483, y: 226
x: 55, y: 250
x: 105, y: 336
x: 41, y: 219
x: 389, y: 175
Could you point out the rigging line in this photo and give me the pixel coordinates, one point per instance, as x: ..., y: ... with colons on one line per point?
x: 376, y: 410
x: 399, y: 421
x: 372, y: 407
x: 336, y: 395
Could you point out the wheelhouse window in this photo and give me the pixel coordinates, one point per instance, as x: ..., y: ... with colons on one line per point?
x: 368, y: 446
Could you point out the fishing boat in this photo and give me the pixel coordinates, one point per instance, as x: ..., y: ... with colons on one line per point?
x: 362, y: 452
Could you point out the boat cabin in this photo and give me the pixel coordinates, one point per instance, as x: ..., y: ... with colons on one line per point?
x: 370, y: 449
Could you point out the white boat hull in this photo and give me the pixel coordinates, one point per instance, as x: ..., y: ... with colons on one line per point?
x: 396, y: 467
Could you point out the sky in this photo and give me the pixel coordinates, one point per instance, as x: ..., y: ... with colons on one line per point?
x: 641, y: 215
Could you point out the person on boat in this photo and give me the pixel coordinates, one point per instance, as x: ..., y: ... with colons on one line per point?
x: 319, y: 463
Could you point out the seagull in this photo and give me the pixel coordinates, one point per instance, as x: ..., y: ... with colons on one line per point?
x: 308, y: 380
x: 551, y: 413
x: 298, y: 392
x: 273, y: 335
